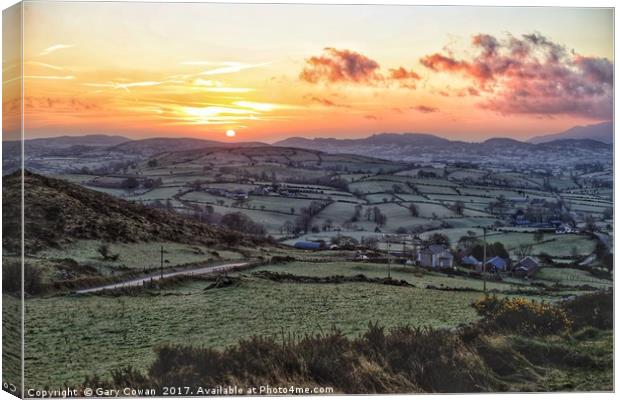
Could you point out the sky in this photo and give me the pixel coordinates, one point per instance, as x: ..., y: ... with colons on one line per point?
x: 268, y: 72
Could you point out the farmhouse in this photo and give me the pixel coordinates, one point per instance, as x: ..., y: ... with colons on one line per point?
x: 436, y: 256
x: 470, y: 261
x: 528, y: 266
x: 496, y: 264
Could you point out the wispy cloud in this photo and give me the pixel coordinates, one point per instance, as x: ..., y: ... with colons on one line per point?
x: 229, y: 90
x: 425, y: 109
x: 214, y: 86
x: 325, y: 101
x: 44, y: 65
x: 256, y: 106
x: 128, y: 85
x: 54, y: 48
x: 231, y: 67
x: 50, y: 77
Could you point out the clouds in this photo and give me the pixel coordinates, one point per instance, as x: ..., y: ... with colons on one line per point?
x: 59, y: 104
x: 325, y: 101
x: 340, y: 66
x: 54, y: 48
x: 350, y: 67
x: 426, y: 109
x: 531, y: 75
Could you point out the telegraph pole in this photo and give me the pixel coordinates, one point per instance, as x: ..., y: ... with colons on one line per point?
x: 389, y: 259
x: 484, y: 259
x: 161, y: 262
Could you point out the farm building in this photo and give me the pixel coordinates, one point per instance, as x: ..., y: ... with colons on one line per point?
x: 528, y: 266
x: 496, y: 264
x: 304, y: 245
x: 436, y: 256
x: 470, y: 261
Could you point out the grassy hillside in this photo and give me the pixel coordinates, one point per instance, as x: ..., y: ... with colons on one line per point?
x: 58, y: 212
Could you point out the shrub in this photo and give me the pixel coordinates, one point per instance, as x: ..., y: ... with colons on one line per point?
x: 12, y: 278
x: 519, y: 315
x: 592, y: 309
x: 399, y: 360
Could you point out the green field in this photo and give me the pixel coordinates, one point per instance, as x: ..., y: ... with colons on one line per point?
x: 96, y: 334
x: 137, y: 256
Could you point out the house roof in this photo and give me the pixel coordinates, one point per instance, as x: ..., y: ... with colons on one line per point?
x: 470, y: 260
x: 434, y: 249
x: 497, y: 262
x: 307, y: 245
x: 528, y: 262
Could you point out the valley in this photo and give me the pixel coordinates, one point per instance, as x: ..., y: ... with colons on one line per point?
x: 316, y: 239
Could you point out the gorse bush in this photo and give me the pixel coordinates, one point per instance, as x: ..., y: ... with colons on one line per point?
x: 522, y: 316
x: 506, y: 350
x: 401, y: 360
x: 592, y: 309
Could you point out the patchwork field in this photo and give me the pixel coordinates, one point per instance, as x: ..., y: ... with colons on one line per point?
x: 299, y: 215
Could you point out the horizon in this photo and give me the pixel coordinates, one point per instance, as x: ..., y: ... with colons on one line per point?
x: 500, y: 72
x: 272, y: 142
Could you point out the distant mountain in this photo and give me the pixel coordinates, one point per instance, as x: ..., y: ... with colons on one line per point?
x: 152, y: 146
x: 420, y: 147
x: 603, y: 132
x: 568, y: 144
x: 381, y: 139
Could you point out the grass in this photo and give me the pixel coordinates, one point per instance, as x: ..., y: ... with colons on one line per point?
x: 95, y: 334
x: 137, y: 255
x: 571, y: 276
x: 552, y: 244
x: 271, y: 221
x: 278, y: 203
x: 11, y: 340
x: 453, y: 234
x: 427, y: 189
x: 162, y: 193
x: 590, y: 345
x: 393, y: 360
x: 428, y: 210
x: 338, y: 212
x: 203, y: 197
x: 372, y: 270
x: 563, y: 244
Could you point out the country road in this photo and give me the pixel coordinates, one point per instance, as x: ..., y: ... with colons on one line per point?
x: 140, y: 281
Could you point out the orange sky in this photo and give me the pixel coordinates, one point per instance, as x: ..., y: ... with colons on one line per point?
x: 274, y: 71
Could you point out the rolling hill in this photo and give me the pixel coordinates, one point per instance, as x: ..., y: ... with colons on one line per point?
x: 35, y: 147
x: 419, y: 147
x: 152, y: 146
x: 58, y: 212
x: 259, y: 155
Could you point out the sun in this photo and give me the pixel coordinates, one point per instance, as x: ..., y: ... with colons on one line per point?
x: 230, y: 133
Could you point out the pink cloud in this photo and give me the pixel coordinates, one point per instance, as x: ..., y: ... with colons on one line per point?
x: 347, y: 66
x: 340, y: 66
x: 532, y: 75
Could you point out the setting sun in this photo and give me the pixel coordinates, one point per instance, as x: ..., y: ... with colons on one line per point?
x: 230, y: 133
